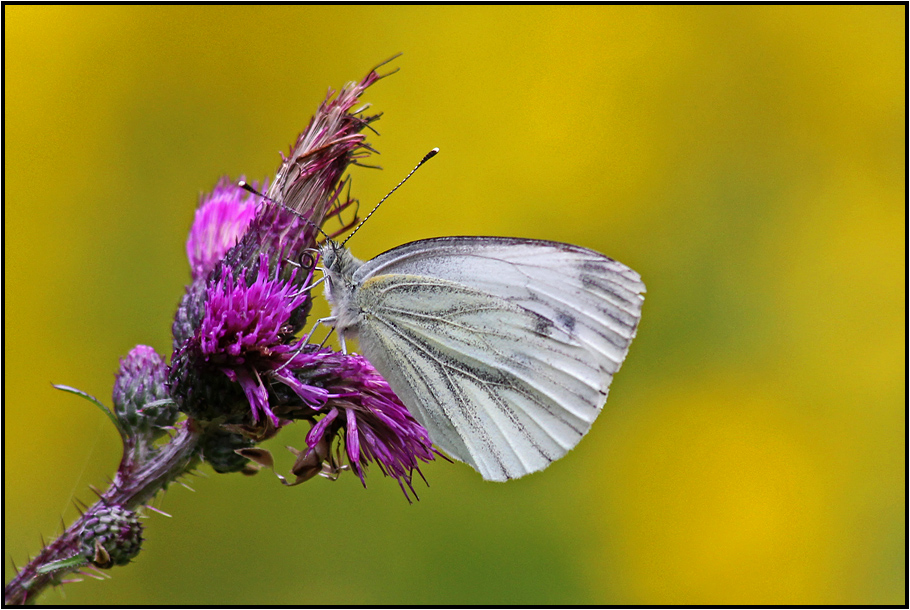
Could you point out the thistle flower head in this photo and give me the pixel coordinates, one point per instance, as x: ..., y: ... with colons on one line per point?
x: 238, y: 366
x: 309, y: 179
x: 246, y: 330
x: 222, y: 218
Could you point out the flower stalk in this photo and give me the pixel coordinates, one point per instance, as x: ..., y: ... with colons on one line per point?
x: 135, y: 484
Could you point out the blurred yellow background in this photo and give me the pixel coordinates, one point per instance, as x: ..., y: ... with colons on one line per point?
x: 747, y: 161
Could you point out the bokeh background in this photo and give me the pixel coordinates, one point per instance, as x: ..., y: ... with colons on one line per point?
x: 748, y: 161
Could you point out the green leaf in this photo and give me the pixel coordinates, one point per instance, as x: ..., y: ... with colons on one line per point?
x: 97, y: 403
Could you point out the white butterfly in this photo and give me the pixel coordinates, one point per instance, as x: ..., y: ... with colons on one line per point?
x: 502, y: 348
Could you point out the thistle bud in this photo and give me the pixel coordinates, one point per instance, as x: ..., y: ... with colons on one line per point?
x: 139, y: 391
x: 111, y: 536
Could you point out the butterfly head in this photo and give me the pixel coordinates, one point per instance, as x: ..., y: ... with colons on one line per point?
x: 337, y: 261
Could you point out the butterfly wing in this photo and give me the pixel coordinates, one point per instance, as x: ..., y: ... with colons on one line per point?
x: 504, y: 349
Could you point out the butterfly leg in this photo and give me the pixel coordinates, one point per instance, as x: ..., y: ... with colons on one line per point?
x: 344, y: 348
x: 306, y: 289
x: 306, y: 340
x: 330, y: 320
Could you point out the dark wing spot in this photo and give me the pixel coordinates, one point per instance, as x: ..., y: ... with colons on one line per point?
x: 566, y: 321
x: 542, y: 326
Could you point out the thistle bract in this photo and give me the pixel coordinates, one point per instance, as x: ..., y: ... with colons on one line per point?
x: 219, y: 450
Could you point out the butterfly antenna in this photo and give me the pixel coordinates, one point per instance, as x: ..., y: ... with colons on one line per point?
x: 426, y: 158
x: 249, y: 188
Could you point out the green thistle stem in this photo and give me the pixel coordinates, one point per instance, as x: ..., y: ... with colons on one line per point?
x: 141, y: 475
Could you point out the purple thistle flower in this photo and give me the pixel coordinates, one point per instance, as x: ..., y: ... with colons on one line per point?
x: 238, y: 367
x: 375, y: 426
x: 245, y: 329
x: 221, y: 219
x: 309, y: 180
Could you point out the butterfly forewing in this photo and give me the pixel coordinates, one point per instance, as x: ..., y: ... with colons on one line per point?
x: 503, y: 348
